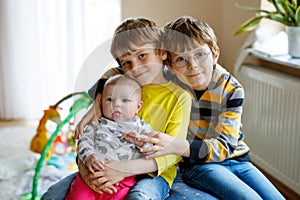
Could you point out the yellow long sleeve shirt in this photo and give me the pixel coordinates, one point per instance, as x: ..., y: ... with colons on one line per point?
x: 167, y: 109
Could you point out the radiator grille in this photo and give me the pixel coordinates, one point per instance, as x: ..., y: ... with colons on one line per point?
x: 271, y: 122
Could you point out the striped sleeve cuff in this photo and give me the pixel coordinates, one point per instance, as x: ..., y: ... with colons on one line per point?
x: 198, y: 152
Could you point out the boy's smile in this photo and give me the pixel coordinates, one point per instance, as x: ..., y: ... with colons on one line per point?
x: 144, y: 64
x: 195, y: 67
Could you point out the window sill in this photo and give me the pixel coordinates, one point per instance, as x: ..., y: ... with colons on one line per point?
x: 282, y: 63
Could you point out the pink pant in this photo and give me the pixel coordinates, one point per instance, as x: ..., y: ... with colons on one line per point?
x: 79, y: 190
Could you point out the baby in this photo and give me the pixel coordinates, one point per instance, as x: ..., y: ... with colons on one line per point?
x: 121, y: 101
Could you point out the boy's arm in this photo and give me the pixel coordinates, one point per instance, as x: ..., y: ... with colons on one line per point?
x: 92, y: 90
x: 163, y: 144
x: 115, y: 171
x: 92, y: 117
x: 225, y: 133
x: 196, y: 150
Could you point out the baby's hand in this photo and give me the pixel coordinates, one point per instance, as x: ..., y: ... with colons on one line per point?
x: 133, y: 137
x: 94, y: 164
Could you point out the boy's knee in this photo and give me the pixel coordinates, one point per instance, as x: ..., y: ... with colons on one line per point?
x: 138, y: 195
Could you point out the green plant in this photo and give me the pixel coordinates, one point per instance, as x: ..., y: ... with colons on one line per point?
x: 286, y: 12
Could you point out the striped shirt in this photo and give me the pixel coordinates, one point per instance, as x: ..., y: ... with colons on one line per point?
x: 215, y: 124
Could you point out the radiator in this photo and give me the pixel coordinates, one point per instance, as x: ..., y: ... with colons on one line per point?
x: 271, y: 122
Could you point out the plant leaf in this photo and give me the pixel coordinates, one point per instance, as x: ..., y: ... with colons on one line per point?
x: 287, y: 12
x: 257, y: 10
x: 294, y: 4
x: 279, y: 19
x: 290, y: 12
x: 249, y: 25
x: 277, y: 4
x: 297, y: 16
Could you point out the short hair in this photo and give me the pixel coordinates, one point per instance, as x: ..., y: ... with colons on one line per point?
x: 182, y: 34
x: 122, y: 80
x: 135, y: 31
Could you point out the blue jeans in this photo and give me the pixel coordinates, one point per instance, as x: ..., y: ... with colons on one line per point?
x: 231, y: 179
x: 59, y: 190
x: 147, y: 188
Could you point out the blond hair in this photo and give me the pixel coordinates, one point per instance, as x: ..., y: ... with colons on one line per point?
x: 135, y: 31
x: 185, y: 32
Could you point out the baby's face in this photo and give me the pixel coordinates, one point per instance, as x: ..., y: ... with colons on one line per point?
x: 194, y: 67
x: 120, y: 102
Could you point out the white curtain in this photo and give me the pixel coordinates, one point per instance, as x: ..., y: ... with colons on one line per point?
x: 43, y: 44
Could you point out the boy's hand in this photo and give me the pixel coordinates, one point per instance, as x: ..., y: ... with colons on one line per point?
x: 94, y: 164
x: 91, y: 179
x: 91, y: 116
x: 109, y: 177
x: 163, y: 144
x: 133, y: 137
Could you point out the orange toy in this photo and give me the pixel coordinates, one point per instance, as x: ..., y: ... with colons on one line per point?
x: 41, y: 138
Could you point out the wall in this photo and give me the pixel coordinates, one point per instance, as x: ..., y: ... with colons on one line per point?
x: 222, y: 15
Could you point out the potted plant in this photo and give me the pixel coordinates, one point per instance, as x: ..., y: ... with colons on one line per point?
x: 286, y: 12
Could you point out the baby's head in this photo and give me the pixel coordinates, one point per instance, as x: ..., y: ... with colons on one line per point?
x: 121, y: 98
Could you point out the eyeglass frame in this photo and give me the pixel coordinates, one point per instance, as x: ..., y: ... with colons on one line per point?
x: 187, y: 60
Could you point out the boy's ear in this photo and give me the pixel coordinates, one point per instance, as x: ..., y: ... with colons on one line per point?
x: 216, y: 55
x: 163, y: 54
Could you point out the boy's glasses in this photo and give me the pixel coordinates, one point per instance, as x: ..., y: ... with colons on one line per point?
x: 183, y: 61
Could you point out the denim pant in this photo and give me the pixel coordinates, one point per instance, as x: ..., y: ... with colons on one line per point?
x: 231, y: 179
x: 147, y: 188
x: 144, y: 189
x: 59, y: 190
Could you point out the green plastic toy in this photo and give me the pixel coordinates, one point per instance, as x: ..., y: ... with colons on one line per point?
x: 82, y: 102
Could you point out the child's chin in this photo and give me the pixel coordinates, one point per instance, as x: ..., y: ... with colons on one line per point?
x: 118, y: 117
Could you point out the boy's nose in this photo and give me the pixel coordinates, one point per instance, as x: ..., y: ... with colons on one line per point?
x: 136, y: 68
x: 136, y: 65
x: 192, y: 64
